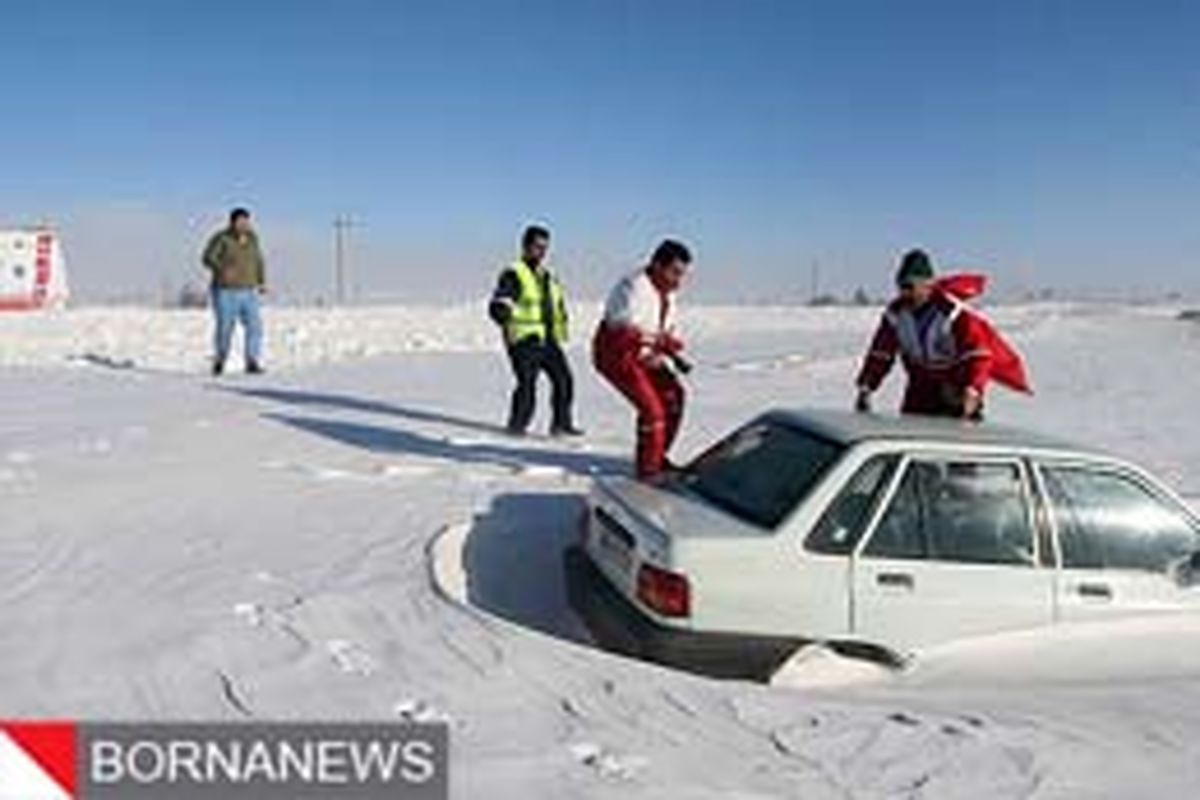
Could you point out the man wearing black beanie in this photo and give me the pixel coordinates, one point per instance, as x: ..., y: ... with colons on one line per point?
x: 946, y: 349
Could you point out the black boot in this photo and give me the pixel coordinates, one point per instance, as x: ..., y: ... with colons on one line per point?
x: 254, y: 368
x: 567, y: 431
x: 218, y: 366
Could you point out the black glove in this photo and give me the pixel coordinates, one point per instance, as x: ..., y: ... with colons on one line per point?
x: 682, y: 365
x: 500, y: 312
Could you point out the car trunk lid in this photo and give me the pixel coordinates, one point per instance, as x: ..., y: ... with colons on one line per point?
x: 633, y: 533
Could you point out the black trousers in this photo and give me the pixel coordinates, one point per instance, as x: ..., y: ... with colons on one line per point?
x: 529, y: 358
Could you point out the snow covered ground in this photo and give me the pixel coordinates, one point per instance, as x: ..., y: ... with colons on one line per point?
x: 178, y: 340
x: 174, y: 547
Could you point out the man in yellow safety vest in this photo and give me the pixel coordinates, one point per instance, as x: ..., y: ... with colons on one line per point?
x: 531, y: 309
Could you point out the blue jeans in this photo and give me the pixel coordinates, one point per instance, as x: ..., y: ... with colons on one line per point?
x: 232, y: 306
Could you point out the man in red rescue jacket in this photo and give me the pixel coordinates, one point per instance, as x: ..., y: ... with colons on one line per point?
x: 637, y: 349
x: 949, y: 350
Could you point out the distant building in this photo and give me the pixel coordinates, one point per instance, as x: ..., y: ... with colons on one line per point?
x: 32, y: 272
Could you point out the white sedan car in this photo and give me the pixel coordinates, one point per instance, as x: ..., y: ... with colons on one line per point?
x: 878, y: 536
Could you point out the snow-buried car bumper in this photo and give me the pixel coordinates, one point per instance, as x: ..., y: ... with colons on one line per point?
x: 617, y: 625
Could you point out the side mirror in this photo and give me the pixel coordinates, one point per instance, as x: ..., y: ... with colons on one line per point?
x: 1186, y: 570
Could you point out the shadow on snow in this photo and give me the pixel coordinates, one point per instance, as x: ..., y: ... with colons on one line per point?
x: 348, y: 403
x: 513, y: 558
x: 379, y: 439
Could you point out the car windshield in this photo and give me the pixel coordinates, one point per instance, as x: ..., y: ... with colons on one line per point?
x: 762, y: 472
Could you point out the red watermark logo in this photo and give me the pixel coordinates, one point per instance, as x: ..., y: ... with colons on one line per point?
x: 37, y: 760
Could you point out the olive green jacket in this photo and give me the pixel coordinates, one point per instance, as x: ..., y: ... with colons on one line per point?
x: 235, y: 263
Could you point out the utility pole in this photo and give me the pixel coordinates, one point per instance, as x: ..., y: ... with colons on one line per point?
x: 341, y: 229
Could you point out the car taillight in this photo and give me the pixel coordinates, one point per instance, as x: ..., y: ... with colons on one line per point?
x: 666, y: 592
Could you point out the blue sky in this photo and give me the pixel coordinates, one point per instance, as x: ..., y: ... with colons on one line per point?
x: 1051, y: 143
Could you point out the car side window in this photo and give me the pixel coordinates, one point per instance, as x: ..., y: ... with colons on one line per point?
x: 960, y: 511
x: 901, y: 531
x: 843, y: 523
x: 1106, y: 520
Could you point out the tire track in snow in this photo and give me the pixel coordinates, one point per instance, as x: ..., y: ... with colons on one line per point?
x: 232, y: 696
x: 32, y: 559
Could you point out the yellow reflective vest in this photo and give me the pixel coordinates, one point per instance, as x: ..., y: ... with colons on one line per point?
x: 529, y: 309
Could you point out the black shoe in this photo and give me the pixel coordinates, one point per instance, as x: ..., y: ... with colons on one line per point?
x: 515, y: 432
x: 218, y: 366
x: 666, y: 477
x: 254, y: 368
x: 669, y: 475
x: 567, y: 432
x: 676, y: 471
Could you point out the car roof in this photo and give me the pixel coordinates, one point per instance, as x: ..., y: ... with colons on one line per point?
x: 850, y: 427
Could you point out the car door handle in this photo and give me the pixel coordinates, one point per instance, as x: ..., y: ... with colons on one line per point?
x: 1099, y: 591
x: 899, y: 580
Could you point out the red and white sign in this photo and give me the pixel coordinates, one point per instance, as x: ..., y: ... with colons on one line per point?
x: 37, y: 760
x: 32, y: 272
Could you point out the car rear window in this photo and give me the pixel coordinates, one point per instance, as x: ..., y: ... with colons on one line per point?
x: 762, y: 472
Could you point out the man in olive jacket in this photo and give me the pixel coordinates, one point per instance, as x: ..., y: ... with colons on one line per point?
x: 236, y: 263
